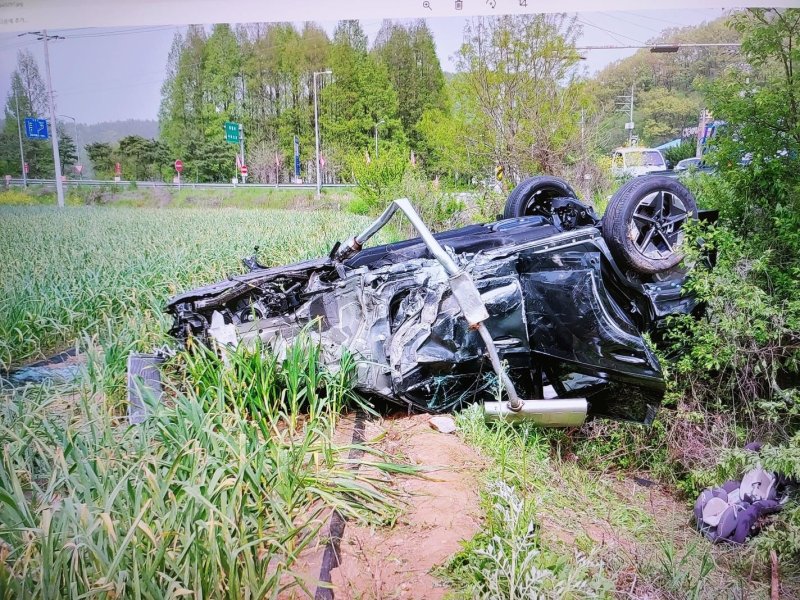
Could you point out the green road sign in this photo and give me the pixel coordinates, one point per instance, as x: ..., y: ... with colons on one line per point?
x: 231, y: 132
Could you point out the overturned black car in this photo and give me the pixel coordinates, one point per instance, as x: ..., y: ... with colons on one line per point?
x: 548, y: 303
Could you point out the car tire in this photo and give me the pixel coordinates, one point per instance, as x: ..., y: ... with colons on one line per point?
x: 644, y: 223
x: 531, y: 195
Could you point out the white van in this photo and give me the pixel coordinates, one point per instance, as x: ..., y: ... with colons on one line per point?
x: 633, y: 162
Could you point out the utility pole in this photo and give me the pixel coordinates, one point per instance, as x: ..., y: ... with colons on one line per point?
x: 19, y: 131
x: 56, y: 159
x: 241, y: 135
x: 701, y: 132
x: 625, y: 105
x: 316, y: 132
x: 42, y: 35
x: 241, y: 149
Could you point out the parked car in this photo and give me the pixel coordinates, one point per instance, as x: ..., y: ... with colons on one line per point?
x: 551, y: 300
x: 689, y: 163
x: 634, y: 162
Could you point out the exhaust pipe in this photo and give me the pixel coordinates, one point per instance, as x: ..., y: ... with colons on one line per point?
x: 555, y: 412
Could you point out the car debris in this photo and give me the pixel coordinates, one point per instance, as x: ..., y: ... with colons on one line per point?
x: 545, y: 307
x: 442, y: 424
x: 734, y: 511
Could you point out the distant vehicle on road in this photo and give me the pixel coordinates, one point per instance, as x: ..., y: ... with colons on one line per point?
x: 634, y: 161
x: 689, y: 163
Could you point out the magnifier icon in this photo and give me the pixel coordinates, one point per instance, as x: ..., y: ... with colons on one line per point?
x: 427, y: 5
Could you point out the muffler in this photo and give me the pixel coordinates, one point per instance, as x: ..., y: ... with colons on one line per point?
x: 554, y: 412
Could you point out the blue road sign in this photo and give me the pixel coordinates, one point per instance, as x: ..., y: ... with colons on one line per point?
x: 36, y: 129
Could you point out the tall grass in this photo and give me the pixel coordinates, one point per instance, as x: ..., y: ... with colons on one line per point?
x: 91, y: 271
x: 215, y: 496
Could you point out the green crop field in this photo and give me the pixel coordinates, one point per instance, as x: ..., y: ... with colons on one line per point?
x: 229, y: 480
x: 89, y: 271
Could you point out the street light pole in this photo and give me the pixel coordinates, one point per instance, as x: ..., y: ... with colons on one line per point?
x: 77, y: 145
x: 376, y: 137
x: 316, y: 128
x: 19, y: 131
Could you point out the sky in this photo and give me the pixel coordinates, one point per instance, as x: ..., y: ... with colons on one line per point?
x: 107, y: 74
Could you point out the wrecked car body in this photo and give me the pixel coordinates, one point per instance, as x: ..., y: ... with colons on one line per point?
x: 540, y: 302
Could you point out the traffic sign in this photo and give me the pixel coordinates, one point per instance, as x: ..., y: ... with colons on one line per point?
x: 179, y: 165
x: 118, y: 169
x: 27, y: 169
x: 36, y: 129
x: 79, y: 169
x: 498, y: 172
x: 232, y: 132
x: 629, y: 125
x: 244, y: 170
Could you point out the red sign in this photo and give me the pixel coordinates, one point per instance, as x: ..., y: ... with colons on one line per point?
x: 321, y: 161
x: 118, y: 169
x: 26, y: 168
x: 244, y: 169
x: 79, y: 168
x: 179, y: 165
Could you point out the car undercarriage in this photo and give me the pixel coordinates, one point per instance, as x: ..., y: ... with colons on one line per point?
x: 542, y: 304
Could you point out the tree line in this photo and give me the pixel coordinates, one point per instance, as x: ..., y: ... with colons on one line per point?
x: 517, y: 99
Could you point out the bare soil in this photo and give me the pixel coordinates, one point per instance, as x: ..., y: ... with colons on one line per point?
x: 442, y: 511
x: 439, y: 510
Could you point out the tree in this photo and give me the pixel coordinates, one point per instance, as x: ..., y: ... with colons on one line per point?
x: 360, y: 98
x: 673, y: 82
x: 520, y: 94
x: 67, y: 151
x: 103, y: 159
x: 664, y: 114
x: 27, y: 89
x: 409, y: 55
x: 182, y: 115
x: 142, y: 159
x: 760, y: 102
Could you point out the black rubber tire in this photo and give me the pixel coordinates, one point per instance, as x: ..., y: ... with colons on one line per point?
x: 519, y: 199
x: 634, y: 213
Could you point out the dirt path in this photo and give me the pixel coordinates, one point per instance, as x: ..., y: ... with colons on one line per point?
x: 441, y: 510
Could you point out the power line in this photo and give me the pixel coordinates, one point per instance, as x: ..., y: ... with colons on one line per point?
x: 608, y: 31
x: 663, y: 47
x: 102, y: 89
x: 68, y: 35
x: 615, y: 16
x: 657, y: 19
x: 135, y: 30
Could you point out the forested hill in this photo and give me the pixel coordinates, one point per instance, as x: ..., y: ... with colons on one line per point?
x: 667, y: 87
x: 112, y: 131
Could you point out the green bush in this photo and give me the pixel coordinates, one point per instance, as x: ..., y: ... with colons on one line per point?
x: 686, y: 149
x: 392, y: 177
x: 375, y: 180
